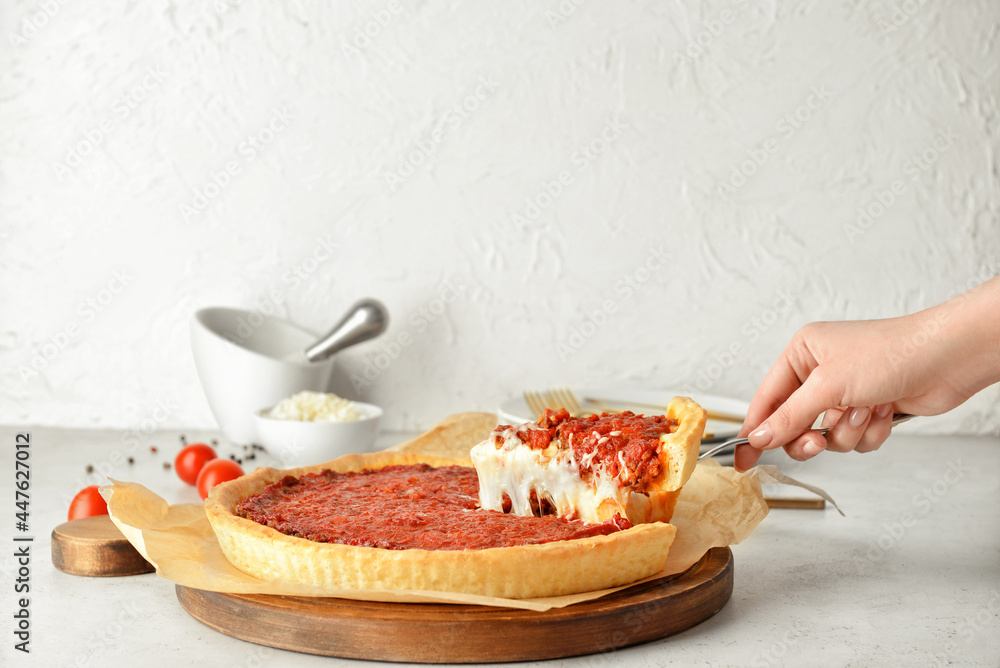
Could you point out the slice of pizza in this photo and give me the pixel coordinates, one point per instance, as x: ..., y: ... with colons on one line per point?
x: 592, y: 468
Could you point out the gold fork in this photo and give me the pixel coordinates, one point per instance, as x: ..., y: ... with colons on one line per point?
x: 536, y: 402
x: 555, y: 399
x: 562, y: 397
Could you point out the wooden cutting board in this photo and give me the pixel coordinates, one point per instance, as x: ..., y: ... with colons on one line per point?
x: 441, y: 633
x: 94, y: 546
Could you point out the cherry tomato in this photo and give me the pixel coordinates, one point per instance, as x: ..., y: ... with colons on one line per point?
x: 216, y: 471
x: 191, y: 459
x: 87, y: 503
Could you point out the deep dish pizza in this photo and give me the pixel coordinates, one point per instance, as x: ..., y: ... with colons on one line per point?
x: 396, y: 521
x: 403, y: 507
x: 593, y: 468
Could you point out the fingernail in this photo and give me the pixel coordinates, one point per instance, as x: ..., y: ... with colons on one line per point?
x: 883, y: 410
x: 812, y: 448
x: 858, y: 416
x: 744, y: 458
x: 761, y: 436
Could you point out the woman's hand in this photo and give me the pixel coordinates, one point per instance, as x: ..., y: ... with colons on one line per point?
x: 861, y: 372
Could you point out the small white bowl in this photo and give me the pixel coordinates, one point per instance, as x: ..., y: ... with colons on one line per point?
x: 303, y: 443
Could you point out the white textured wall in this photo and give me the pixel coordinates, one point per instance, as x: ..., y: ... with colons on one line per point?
x: 548, y: 159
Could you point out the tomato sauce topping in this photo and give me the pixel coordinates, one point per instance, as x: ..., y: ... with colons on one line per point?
x: 403, y: 507
x: 636, y: 437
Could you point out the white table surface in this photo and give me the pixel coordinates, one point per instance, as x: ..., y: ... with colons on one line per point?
x: 910, y: 577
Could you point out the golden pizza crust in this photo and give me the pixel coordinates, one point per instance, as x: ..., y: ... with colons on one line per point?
x: 678, y: 454
x: 527, y: 571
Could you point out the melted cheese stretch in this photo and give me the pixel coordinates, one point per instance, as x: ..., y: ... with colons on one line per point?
x: 507, y: 466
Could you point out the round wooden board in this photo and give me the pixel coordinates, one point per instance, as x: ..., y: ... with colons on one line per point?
x: 443, y: 633
x: 94, y: 546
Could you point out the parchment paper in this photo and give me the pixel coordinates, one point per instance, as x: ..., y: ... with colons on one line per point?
x: 717, y: 507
